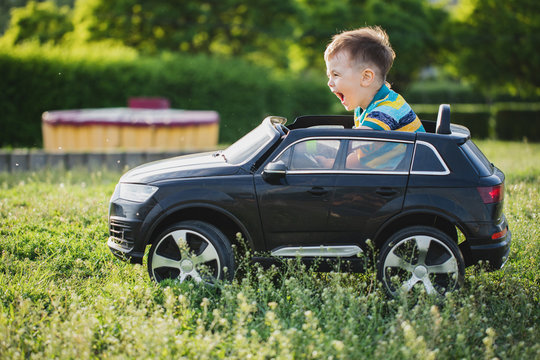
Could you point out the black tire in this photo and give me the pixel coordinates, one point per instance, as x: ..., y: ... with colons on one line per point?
x: 420, y: 255
x: 191, y: 250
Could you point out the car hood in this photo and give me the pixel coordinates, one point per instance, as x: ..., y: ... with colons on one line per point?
x: 186, y: 166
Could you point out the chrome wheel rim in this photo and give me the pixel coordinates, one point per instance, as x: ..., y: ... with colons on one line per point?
x: 420, y: 260
x: 185, y: 254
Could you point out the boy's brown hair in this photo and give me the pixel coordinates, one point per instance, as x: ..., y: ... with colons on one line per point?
x: 367, y: 45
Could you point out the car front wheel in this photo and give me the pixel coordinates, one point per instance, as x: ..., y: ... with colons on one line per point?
x: 191, y: 250
x: 420, y: 256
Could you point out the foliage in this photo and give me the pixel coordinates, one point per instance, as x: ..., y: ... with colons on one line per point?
x: 229, y: 27
x: 490, y: 43
x: 38, y: 79
x: 494, y: 44
x: 316, y: 21
x: 41, y: 21
x: 415, y: 29
x: 289, y: 34
x: 63, y: 295
x: 5, y: 7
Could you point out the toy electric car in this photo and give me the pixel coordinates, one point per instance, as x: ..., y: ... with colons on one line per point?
x: 319, y: 190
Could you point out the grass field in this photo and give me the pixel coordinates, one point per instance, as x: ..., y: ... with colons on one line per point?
x: 63, y: 295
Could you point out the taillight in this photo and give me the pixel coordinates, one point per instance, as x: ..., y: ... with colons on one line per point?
x: 499, y: 234
x: 491, y: 194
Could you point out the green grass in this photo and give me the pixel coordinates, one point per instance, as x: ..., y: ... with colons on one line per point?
x: 63, y: 295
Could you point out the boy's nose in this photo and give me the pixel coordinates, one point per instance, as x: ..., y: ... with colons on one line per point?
x: 330, y: 83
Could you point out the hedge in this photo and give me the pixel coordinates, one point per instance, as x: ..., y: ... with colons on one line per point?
x: 477, y: 122
x: 437, y: 92
x: 36, y: 79
x: 518, y: 125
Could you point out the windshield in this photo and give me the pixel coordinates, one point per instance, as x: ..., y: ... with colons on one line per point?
x: 250, y: 144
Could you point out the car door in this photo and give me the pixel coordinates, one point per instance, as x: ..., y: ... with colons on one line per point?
x: 294, y: 210
x: 369, y: 189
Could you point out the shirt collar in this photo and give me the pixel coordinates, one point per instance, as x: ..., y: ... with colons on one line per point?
x: 380, y: 95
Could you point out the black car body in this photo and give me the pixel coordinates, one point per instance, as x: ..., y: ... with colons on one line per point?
x: 319, y: 189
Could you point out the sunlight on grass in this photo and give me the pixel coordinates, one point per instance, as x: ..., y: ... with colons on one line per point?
x: 63, y: 295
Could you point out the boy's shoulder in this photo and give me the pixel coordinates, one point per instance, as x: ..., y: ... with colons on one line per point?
x: 392, y: 105
x: 392, y: 113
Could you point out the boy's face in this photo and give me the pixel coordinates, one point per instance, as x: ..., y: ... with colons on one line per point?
x: 350, y: 82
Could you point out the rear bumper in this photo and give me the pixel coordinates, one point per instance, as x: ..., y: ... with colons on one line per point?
x: 494, y: 253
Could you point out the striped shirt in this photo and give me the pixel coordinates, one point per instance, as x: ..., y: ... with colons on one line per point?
x: 388, y: 111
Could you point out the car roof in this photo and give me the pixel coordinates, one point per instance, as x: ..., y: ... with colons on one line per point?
x: 338, y: 126
x: 341, y: 126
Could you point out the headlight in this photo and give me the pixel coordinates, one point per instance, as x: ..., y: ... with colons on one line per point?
x: 136, y: 192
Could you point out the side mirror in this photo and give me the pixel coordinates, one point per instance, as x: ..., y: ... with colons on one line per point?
x: 274, y: 170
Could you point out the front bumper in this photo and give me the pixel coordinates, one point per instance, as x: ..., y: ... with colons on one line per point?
x: 121, y: 239
x: 127, y: 228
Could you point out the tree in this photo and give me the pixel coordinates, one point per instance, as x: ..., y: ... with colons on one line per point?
x: 315, y: 23
x: 414, y: 28
x: 41, y: 21
x: 5, y: 7
x: 285, y: 34
x: 495, y: 45
x: 230, y: 27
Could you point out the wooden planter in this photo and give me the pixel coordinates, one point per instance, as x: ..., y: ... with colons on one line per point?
x: 129, y: 129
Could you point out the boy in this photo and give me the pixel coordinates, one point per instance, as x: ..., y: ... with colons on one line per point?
x: 357, y: 63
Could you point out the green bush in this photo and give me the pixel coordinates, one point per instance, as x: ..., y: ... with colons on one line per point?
x: 35, y: 79
x: 518, y: 124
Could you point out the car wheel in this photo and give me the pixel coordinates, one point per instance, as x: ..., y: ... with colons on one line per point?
x: 191, y: 250
x: 420, y: 256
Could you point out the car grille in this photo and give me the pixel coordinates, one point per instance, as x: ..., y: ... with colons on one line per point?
x: 121, y: 234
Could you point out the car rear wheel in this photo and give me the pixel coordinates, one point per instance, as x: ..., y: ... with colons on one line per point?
x: 420, y: 256
x: 191, y: 250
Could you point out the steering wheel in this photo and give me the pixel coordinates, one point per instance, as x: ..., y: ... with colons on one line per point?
x: 311, y: 160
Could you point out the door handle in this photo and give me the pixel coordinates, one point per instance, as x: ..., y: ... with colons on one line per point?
x: 386, y: 191
x: 318, y: 191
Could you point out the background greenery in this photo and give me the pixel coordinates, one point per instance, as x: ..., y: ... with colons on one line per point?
x: 64, y: 295
x: 38, y: 79
x: 249, y: 59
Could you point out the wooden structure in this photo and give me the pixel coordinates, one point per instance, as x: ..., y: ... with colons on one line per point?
x: 129, y: 129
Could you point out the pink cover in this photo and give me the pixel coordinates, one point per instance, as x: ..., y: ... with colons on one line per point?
x: 149, y: 103
x: 130, y: 117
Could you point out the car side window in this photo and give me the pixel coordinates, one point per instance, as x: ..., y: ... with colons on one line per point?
x: 378, y: 155
x: 316, y: 154
x: 428, y: 161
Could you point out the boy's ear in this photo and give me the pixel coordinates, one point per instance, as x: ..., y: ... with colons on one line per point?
x: 368, y: 76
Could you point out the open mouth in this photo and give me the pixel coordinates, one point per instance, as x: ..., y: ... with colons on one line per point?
x: 340, y: 96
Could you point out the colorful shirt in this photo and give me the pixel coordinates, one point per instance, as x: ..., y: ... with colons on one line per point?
x: 388, y: 111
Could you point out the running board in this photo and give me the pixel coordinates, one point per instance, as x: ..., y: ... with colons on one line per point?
x: 318, y: 251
